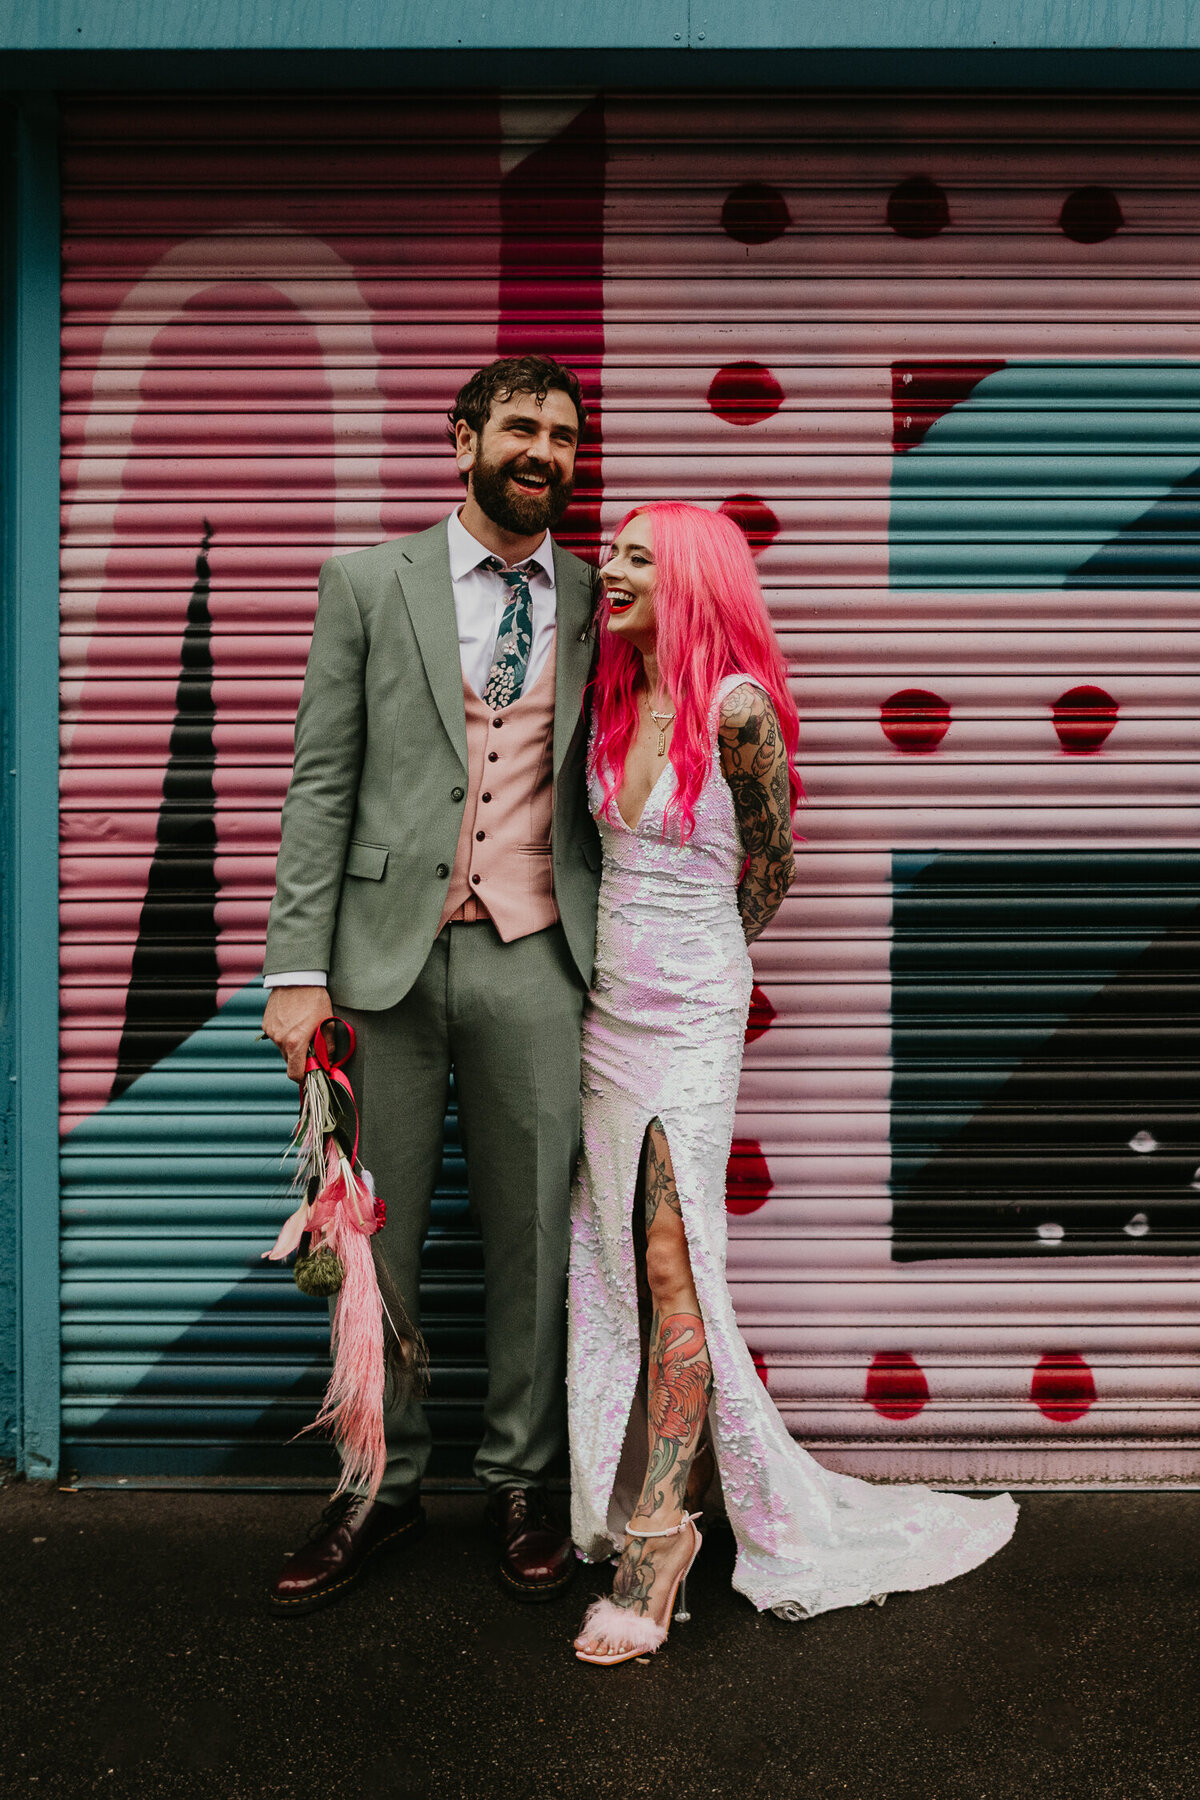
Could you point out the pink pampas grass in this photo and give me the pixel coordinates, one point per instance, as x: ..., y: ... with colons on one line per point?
x: 353, y: 1406
x: 372, y: 1336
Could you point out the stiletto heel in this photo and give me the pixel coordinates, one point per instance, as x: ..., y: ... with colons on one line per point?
x: 642, y: 1636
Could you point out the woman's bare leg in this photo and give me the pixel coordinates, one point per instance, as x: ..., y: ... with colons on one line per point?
x: 679, y: 1386
x: 679, y: 1369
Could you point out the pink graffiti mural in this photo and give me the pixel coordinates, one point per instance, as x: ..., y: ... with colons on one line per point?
x: 258, y: 395
x: 827, y: 315
x: 857, y: 345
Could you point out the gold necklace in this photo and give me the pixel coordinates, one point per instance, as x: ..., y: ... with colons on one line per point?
x: 662, y: 720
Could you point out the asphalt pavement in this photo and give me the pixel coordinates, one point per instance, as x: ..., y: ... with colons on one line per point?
x: 141, y: 1661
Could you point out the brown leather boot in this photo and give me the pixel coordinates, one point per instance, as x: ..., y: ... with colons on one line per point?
x: 332, y: 1557
x: 537, y: 1558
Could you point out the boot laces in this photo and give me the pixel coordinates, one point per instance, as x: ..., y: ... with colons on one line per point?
x: 528, y: 1506
x: 333, y: 1516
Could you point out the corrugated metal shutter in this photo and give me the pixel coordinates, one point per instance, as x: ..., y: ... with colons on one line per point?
x: 266, y: 307
x: 940, y: 359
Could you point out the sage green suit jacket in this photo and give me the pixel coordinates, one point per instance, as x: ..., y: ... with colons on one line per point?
x: 372, y: 815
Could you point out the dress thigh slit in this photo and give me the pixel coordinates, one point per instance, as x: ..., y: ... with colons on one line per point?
x: 629, y: 1475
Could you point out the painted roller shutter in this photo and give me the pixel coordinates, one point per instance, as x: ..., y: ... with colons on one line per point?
x: 267, y: 307
x: 940, y: 360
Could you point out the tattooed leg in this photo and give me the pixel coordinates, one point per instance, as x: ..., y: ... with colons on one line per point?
x: 678, y: 1387
x: 678, y: 1366
x: 659, y: 1184
x: 680, y: 1382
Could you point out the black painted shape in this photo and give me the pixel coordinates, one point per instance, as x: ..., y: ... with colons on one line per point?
x: 1090, y: 215
x: 755, y: 213
x: 1046, y: 1013
x: 173, y: 982
x: 1158, y: 549
x: 918, y: 208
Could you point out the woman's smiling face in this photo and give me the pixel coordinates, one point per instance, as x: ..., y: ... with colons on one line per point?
x: 629, y: 578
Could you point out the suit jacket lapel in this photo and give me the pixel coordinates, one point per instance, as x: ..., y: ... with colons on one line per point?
x: 575, y: 644
x: 423, y: 571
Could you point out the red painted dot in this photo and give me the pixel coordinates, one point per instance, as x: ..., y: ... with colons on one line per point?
x: 755, y: 213
x: 918, y: 208
x: 747, y: 1177
x: 744, y: 393
x: 760, y: 1365
x: 1063, y: 1386
x: 1083, y: 718
x: 762, y: 1015
x: 914, y: 720
x: 1090, y: 215
x: 896, y: 1385
x: 754, y: 517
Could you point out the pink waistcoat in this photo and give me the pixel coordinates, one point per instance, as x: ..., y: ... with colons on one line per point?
x: 503, y: 866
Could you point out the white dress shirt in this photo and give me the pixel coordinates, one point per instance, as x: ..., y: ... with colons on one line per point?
x: 479, y: 601
x: 480, y: 598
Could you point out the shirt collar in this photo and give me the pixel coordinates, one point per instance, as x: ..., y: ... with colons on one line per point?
x: 466, y: 552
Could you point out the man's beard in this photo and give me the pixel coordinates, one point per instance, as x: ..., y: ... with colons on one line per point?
x: 509, y: 507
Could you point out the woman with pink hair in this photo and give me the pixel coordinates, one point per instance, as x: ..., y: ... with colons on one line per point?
x: 692, y: 783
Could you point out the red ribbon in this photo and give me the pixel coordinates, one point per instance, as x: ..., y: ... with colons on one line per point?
x: 319, y: 1058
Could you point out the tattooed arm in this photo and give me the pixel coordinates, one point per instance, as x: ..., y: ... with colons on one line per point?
x: 754, y: 762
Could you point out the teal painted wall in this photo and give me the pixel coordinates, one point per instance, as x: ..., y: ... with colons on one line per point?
x: 29, y: 1329
x: 336, y: 24
x: 943, y: 24
x: 8, y: 1183
x: 704, y: 25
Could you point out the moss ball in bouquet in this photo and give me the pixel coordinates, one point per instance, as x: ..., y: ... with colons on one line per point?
x: 319, y: 1273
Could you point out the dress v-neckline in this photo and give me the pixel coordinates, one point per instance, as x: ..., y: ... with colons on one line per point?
x: 633, y: 829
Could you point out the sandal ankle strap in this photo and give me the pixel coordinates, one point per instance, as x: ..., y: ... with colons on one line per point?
x: 671, y: 1530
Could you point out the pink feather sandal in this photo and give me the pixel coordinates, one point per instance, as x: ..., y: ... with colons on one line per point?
x: 641, y: 1635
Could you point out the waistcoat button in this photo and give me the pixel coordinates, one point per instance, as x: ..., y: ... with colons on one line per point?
x: 475, y: 879
x: 497, y: 723
x: 479, y: 836
x: 457, y: 794
x: 493, y: 756
x: 443, y: 869
x: 485, y: 798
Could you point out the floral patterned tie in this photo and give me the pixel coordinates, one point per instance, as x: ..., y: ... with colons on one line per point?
x: 514, y: 640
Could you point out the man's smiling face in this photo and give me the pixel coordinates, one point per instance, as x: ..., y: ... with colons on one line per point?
x: 523, y: 470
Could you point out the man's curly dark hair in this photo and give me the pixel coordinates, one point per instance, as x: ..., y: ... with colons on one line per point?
x: 536, y: 375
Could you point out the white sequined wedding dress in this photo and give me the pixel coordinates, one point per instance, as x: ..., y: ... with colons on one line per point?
x: 662, y: 1037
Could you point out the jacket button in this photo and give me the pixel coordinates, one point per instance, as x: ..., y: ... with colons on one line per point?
x: 457, y: 793
x: 493, y: 756
x: 443, y: 869
x: 475, y: 880
x: 485, y: 798
x: 479, y: 836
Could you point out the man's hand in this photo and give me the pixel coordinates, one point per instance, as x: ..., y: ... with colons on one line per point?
x: 291, y: 1019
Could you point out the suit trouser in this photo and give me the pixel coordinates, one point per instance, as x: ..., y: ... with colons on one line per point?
x: 506, y: 1019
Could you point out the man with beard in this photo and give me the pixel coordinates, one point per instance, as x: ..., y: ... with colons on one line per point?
x: 436, y: 886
